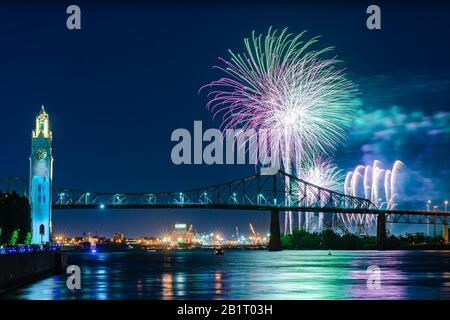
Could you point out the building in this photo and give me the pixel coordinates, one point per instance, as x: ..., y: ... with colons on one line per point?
x: 148, y: 241
x: 181, y: 234
x: 119, y: 237
x: 41, y: 172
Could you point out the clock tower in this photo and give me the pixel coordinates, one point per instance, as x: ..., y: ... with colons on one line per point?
x: 41, y: 172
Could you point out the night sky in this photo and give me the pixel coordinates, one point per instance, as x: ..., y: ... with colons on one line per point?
x: 117, y: 88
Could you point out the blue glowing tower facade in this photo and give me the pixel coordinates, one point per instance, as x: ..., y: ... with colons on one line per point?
x: 41, y: 172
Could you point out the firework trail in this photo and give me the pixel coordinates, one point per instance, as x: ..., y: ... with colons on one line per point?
x: 282, y: 86
x: 380, y: 187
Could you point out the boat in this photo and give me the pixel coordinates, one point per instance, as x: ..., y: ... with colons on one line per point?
x: 219, y: 251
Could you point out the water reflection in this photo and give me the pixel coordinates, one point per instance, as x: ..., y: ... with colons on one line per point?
x: 180, y: 280
x: 101, y: 289
x: 250, y: 275
x: 218, y: 283
x: 167, y: 286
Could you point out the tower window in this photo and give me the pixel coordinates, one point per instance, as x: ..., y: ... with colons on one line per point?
x: 39, y: 188
x: 41, y: 124
x: 43, y: 198
x: 39, y: 198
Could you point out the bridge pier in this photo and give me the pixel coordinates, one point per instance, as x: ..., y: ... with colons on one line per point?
x: 434, y: 230
x: 275, y: 239
x: 381, y: 231
x: 445, y: 232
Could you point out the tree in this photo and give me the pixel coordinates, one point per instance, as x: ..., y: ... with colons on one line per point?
x: 14, y: 237
x: 325, y: 240
x: 15, y: 214
x: 29, y: 238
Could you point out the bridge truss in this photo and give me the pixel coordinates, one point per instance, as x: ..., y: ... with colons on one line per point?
x: 254, y: 192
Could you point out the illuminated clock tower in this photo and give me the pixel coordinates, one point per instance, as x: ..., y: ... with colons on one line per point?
x: 41, y: 172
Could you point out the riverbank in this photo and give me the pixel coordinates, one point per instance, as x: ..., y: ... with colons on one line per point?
x: 330, y: 240
x: 23, y: 268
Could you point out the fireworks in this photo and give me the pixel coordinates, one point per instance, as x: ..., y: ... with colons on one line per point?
x: 379, y: 184
x: 380, y: 187
x: 280, y: 85
x: 320, y: 172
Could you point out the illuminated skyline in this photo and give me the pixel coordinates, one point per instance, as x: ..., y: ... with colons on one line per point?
x: 114, y: 106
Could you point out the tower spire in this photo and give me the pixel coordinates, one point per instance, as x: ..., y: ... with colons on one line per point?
x: 42, y: 124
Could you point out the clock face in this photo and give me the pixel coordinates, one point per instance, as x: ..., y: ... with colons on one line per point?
x: 41, y: 154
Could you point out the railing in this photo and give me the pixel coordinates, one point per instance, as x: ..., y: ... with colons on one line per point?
x: 24, y: 248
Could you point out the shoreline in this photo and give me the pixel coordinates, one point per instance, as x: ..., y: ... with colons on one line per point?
x: 17, y: 270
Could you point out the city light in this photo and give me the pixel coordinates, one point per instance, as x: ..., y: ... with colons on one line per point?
x: 196, y: 166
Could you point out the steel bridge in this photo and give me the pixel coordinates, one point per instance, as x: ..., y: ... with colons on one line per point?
x: 274, y: 193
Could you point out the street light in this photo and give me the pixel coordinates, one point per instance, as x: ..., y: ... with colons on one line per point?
x: 445, y: 205
x: 428, y: 205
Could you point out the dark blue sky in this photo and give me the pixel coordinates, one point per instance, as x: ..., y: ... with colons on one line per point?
x: 116, y: 89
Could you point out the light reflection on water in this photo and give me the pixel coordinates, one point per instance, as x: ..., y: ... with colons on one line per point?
x: 241, y: 274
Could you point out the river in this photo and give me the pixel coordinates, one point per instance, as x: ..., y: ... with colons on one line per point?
x: 249, y: 274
